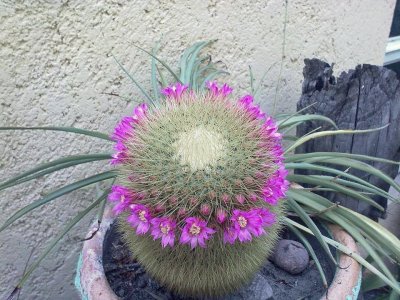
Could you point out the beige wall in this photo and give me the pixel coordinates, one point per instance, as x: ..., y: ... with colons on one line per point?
x: 55, y: 68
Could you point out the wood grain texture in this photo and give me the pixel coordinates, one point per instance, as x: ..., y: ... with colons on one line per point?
x: 363, y: 98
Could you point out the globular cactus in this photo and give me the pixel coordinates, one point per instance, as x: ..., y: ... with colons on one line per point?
x: 200, y: 179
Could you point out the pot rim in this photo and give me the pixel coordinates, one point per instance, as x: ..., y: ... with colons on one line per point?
x: 92, y: 283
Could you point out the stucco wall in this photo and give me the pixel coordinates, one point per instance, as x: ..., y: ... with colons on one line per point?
x: 55, y: 68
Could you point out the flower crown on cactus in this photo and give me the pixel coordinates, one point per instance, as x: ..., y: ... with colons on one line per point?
x: 199, y: 164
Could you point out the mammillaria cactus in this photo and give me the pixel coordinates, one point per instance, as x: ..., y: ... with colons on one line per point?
x: 200, y: 179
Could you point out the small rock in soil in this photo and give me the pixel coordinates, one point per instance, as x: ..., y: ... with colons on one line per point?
x: 290, y: 256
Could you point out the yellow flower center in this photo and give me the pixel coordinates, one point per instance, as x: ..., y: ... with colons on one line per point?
x: 242, y: 221
x: 165, y: 228
x: 142, y: 217
x: 194, y: 229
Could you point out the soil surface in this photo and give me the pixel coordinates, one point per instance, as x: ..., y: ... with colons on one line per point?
x: 129, y: 280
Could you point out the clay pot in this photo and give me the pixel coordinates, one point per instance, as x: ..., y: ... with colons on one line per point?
x: 92, y: 283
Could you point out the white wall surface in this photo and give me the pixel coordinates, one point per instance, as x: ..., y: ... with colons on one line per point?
x: 55, y: 68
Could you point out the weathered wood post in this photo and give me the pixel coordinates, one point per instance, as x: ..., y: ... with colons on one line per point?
x: 364, y: 98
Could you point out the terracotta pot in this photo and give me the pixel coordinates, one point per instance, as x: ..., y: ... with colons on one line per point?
x: 92, y: 283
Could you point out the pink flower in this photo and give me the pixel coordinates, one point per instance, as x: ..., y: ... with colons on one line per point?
x: 164, y: 228
x: 253, y: 197
x: 277, y: 152
x: 196, y: 232
x: 120, y: 154
x: 182, y: 211
x: 193, y: 201
x: 123, y: 196
x: 140, y: 218
x: 240, y: 199
x: 124, y: 129
x: 247, y: 224
x: 225, y: 198
x: 174, y: 90
x: 221, y: 215
x: 276, y: 186
x: 230, y: 235
x: 160, y: 207
x: 253, y: 111
x: 205, y: 209
x: 270, y: 129
x: 139, y: 113
x: 225, y: 90
x: 268, y: 218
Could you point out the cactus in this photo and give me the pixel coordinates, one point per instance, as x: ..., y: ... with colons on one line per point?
x: 200, y: 179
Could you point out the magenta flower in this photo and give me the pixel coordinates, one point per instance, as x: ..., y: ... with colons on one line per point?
x: 175, y: 90
x: 230, y: 235
x: 122, y: 196
x: 221, y: 215
x: 205, y: 209
x: 247, y: 224
x: 240, y: 199
x: 139, y: 113
x: 196, y: 232
x: 277, y: 152
x: 182, y: 212
x: 140, y: 218
x: 225, y: 198
x: 164, y: 228
x: 270, y: 129
x: 225, y: 90
x: 268, y: 218
x: 120, y: 154
x: 276, y: 186
x: 160, y: 207
x: 254, y: 111
x: 253, y: 197
x: 124, y: 129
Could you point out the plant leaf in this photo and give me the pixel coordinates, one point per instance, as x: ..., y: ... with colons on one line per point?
x: 297, y: 120
x: 328, y: 155
x: 315, y: 135
x: 154, y: 82
x: 312, y: 179
x: 349, y: 252
x: 66, y: 129
x: 310, y: 249
x: 189, y: 58
x: 161, y: 62
x: 53, y: 166
x: 348, y: 224
x: 56, y: 194
x: 55, y: 241
x: 365, y: 184
x: 135, y: 82
x: 291, y: 197
x: 359, y: 165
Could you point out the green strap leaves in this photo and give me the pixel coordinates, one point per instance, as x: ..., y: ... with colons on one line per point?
x: 53, y: 166
x: 65, y: 129
x: 56, y: 194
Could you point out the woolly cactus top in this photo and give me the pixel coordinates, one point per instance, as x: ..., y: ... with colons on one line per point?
x: 198, y: 164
